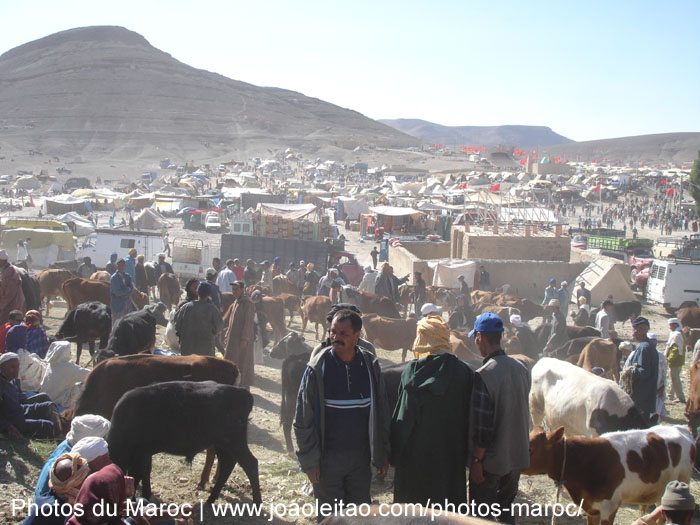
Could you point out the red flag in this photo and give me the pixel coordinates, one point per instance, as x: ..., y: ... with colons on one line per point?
x: 670, y: 191
x: 463, y: 186
x: 495, y: 187
x: 523, y: 161
x: 596, y: 188
x: 594, y: 161
x: 664, y: 182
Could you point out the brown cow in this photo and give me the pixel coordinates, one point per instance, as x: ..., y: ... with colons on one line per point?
x: 292, y: 303
x: 406, y: 296
x: 464, y: 347
x: 600, y: 353
x: 111, y: 379
x: 689, y: 317
x: 101, y: 276
x: 370, y: 303
x: 78, y: 291
x: 390, y: 334
x: 281, y: 284
x: 314, y: 309
x: 274, y: 311
x: 169, y: 289
x: 692, y: 336
x: 51, y: 284
x: 441, y: 296
x: 504, y: 312
x: 692, y: 406
x: 480, y: 296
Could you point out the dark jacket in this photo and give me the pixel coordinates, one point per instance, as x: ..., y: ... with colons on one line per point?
x: 166, y: 268
x: 430, y: 431
x: 645, y: 377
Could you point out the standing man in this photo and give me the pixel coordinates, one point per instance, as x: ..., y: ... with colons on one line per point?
x: 484, y: 279
x: 582, y: 291
x: 643, y: 369
x: 368, y: 280
x: 419, y: 293
x: 216, y: 264
x: 162, y: 267
x: 198, y: 323
x: 675, y: 356
x: 11, y: 295
x: 238, y: 270
x: 166, y: 242
x: 550, y: 292
x: 130, y: 261
x: 141, y: 280
x: 602, y: 320
x: 342, y: 419
x: 240, y: 334
x: 111, y: 265
x: 86, y: 269
x: 374, y: 254
x: 215, y: 296
x: 501, y: 417
x: 558, y: 335
x: 464, y: 288
x: 120, y: 289
x: 250, y: 275
x: 226, y: 277
x: 564, y: 296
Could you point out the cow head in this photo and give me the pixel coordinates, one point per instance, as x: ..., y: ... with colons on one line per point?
x: 350, y: 295
x: 544, y: 447
x: 290, y: 344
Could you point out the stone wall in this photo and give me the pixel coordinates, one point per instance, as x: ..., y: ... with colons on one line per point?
x: 482, y: 245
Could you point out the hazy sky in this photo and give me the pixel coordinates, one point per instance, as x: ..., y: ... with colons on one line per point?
x: 588, y: 69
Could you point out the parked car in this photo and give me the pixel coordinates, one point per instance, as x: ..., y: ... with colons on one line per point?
x: 212, y: 223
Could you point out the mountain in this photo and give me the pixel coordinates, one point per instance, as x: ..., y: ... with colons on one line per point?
x: 105, y: 92
x: 519, y: 136
x: 664, y: 147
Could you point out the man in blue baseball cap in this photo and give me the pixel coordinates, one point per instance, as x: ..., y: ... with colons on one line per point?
x: 644, y: 364
x: 501, y: 417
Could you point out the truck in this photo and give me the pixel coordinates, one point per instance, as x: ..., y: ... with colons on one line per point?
x: 638, y: 252
x: 191, y: 257
x: 100, y: 244
x: 673, y: 285
x: 324, y: 254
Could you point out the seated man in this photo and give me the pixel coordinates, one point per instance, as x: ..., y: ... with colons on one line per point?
x: 17, y: 416
x: 14, y: 319
x: 37, y: 342
x: 87, y: 425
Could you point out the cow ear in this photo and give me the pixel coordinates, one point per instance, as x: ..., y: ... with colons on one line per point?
x: 557, y: 435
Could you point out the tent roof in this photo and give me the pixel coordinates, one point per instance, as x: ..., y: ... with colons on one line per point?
x: 394, y: 211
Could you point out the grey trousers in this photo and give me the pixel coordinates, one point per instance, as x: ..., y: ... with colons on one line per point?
x: 345, y: 476
x: 676, y: 385
x: 500, y: 490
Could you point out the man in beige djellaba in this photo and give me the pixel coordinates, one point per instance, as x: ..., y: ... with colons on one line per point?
x: 240, y: 334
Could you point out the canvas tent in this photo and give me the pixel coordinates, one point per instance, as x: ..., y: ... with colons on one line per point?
x: 352, y: 208
x: 45, y: 247
x: 78, y: 224
x: 27, y: 182
x: 64, y: 204
x: 149, y: 219
x: 287, y: 211
x: 605, y: 278
x: 446, y: 271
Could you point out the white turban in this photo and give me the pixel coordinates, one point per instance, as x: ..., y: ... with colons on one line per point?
x: 91, y: 448
x: 516, y: 321
x: 88, y: 425
x: 7, y: 356
x: 675, y: 320
x: 3, y: 255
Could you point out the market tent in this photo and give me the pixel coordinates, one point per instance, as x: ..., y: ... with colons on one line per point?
x: 64, y: 204
x: 149, y: 219
x: 446, y: 271
x: 78, y: 224
x: 352, y: 208
x: 28, y: 182
x: 287, y: 211
x: 606, y: 277
x: 45, y: 246
x: 394, y: 211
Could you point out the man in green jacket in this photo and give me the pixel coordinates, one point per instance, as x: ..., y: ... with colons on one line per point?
x: 342, y: 419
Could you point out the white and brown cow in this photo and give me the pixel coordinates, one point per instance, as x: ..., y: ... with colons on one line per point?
x: 602, y: 473
x: 564, y: 395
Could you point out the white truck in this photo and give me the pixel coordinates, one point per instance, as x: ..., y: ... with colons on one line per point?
x: 674, y: 284
x: 192, y: 257
x: 100, y: 244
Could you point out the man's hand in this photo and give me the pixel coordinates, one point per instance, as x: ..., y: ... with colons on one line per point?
x: 314, y: 474
x: 129, y: 486
x: 476, y: 473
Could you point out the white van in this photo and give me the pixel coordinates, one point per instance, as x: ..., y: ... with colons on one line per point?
x: 100, y: 244
x: 674, y: 285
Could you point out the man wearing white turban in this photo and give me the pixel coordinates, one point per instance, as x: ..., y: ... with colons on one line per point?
x: 94, y: 450
x: 81, y: 427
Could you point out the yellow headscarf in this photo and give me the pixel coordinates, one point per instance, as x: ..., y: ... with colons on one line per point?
x: 432, y: 337
x: 69, y: 488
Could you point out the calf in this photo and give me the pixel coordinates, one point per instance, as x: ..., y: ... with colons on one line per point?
x: 370, y: 303
x: 692, y: 336
x: 390, y: 334
x: 504, y: 312
x: 689, y: 317
x: 134, y: 333
x: 51, y: 284
x: 563, y: 394
x: 314, y: 308
x: 296, y: 353
x: 183, y: 418
x: 169, y: 289
x: 292, y: 304
x: 600, y: 353
x: 101, y: 275
x: 464, y: 347
x: 281, y: 284
x: 77, y: 291
x: 87, y: 323
x: 621, y: 467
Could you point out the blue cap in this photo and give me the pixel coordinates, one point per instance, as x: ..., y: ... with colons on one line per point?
x: 487, y: 322
x: 639, y: 321
x: 552, y: 280
x: 204, y: 289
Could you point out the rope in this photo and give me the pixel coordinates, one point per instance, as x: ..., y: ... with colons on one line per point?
x: 559, y: 484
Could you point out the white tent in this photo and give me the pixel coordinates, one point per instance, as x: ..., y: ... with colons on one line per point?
x: 446, y: 271
x: 28, y: 182
x: 605, y: 277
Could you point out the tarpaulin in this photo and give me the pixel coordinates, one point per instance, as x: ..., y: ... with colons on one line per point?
x: 446, y: 271
x: 287, y: 211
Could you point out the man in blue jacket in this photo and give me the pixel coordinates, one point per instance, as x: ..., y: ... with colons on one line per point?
x: 644, y: 362
x: 342, y: 419
x: 120, y: 289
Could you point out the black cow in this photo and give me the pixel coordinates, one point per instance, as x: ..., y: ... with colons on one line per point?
x: 132, y: 334
x: 296, y: 353
x: 31, y: 290
x: 543, y: 331
x: 183, y: 418
x: 87, y: 323
x: 622, y: 311
x: 71, y: 266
